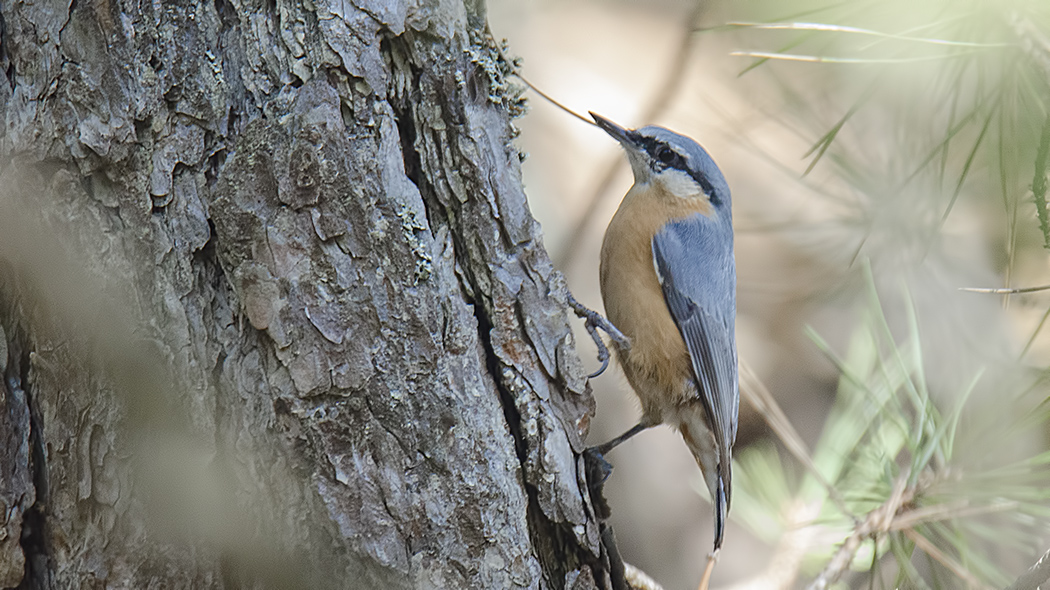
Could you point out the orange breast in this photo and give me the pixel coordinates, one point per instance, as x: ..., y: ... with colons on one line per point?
x: 657, y: 365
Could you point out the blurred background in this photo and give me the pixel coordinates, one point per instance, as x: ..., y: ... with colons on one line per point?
x: 882, y: 156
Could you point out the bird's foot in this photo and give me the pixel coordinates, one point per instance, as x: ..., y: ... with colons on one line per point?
x: 598, y: 470
x: 594, y: 321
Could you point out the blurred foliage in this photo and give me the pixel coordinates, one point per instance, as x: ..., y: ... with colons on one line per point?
x: 885, y: 431
x: 961, y: 88
x: 935, y: 101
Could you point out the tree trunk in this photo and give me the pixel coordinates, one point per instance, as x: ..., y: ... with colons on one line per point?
x: 273, y: 309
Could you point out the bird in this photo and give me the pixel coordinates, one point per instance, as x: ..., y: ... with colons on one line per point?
x: 668, y: 282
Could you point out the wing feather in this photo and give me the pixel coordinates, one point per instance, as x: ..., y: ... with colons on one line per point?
x: 698, y: 276
x: 713, y: 355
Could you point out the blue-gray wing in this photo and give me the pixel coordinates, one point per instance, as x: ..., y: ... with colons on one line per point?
x: 694, y: 261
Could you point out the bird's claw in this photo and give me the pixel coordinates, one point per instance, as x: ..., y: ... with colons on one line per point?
x: 594, y: 321
x: 603, y: 351
x: 598, y: 468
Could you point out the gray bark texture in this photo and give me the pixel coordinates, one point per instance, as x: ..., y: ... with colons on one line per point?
x: 273, y: 309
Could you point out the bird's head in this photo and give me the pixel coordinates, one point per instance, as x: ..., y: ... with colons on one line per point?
x: 673, y: 162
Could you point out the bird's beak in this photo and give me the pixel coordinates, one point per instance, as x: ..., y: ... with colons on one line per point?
x: 618, y: 133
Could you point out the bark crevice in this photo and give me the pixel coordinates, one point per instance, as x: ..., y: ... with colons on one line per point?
x: 437, y: 165
x: 34, y: 537
x: 5, y: 59
x: 25, y: 426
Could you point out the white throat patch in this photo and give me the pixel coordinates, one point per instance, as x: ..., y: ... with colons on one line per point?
x: 679, y: 184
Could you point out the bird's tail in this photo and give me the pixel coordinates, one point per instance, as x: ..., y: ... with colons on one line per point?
x: 721, y: 500
x: 715, y: 465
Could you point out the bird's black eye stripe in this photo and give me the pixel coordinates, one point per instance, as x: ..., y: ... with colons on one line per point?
x: 709, y: 190
x: 665, y: 154
x: 669, y: 158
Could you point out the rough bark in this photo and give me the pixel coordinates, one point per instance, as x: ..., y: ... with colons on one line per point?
x: 273, y: 309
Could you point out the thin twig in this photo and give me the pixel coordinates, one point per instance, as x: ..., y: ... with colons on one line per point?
x: 878, y: 521
x: 824, y: 59
x: 672, y: 82
x: 705, y: 580
x: 1013, y: 291
x: 639, y: 580
x: 517, y: 74
x: 913, y: 518
x: 831, y: 28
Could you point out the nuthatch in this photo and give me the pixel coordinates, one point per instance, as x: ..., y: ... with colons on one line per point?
x: 668, y: 280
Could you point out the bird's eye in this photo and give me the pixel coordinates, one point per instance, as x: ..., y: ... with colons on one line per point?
x: 665, y: 154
